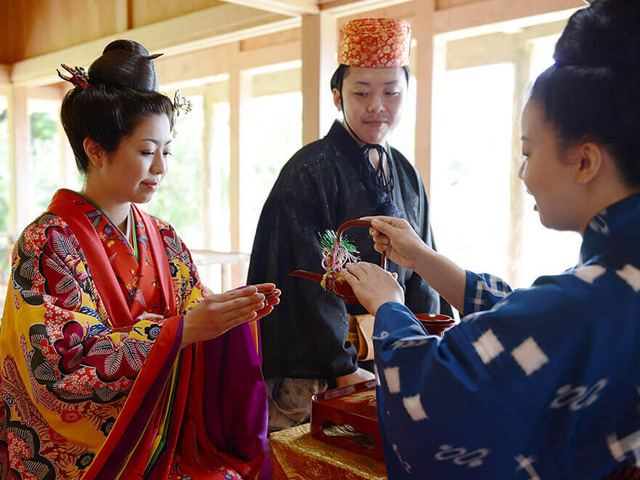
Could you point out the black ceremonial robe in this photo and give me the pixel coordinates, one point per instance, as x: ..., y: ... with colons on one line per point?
x: 323, y: 185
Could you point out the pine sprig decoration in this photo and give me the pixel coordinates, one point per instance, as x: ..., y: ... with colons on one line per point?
x: 327, y: 240
x: 336, y: 252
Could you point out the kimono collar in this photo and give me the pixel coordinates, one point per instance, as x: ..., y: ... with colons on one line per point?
x: 380, y: 188
x: 345, y: 142
x: 614, y: 233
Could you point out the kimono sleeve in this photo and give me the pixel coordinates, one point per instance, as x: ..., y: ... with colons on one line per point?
x: 483, y: 291
x: 306, y: 335
x: 188, y: 287
x: 436, y: 402
x: 527, y: 389
x: 52, y: 332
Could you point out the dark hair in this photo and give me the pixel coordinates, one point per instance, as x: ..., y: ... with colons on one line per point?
x: 592, y: 93
x: 343, y: 71
x: 122, y: 90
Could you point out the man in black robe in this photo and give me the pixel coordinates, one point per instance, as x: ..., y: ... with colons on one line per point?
x: 350, y: 173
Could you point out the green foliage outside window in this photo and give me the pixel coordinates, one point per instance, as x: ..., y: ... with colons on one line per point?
x: 4, y: 172
x: 44, y: 170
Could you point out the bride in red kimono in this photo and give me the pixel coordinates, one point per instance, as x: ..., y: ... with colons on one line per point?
x: 116, y: 361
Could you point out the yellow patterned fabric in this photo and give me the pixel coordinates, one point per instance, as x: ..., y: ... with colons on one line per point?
x: 296, y: 455
x: 93, y: 390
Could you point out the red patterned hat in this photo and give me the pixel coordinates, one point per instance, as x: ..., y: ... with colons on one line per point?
x: 375, y: 42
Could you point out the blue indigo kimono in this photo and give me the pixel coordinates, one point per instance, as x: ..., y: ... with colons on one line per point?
x: 537, y: 383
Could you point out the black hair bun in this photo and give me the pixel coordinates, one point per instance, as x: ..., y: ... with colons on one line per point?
x: 125, y: 63
x: 604, y: 35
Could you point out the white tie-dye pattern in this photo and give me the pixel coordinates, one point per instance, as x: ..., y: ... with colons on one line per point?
x: 529, y: 356
x: 413, y: 342
x: 599, y: 224
x: 589, y: 273
x: 404, y: 464
x: 526, y: 464
x: 392, y: 376
x: 414, y: 408
x: 631, y: 275
x: 619, y: 448
x: 488, y: 347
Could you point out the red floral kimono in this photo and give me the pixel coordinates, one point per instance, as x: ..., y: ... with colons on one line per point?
x: 90, y: 389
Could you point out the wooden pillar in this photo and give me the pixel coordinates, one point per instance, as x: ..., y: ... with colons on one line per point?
x: 19, y: 153
x: 210, y: 184
x: 68, y: 169
x: 319, y: 47
x: 521, y: 62
x: 423, y: 33
x: 239, y: 93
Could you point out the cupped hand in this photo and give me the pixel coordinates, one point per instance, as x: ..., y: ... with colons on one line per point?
x: 397, y: 239
x: 271, y: 298
x: 218, y: 313
x: 372, y: 285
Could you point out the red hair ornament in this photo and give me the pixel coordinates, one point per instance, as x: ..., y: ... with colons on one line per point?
x: 78, y: 76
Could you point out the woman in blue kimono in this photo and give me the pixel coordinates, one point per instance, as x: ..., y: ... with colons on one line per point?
x: 542, y: 382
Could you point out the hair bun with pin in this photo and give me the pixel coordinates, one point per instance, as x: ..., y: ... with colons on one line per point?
x: 125, y: 63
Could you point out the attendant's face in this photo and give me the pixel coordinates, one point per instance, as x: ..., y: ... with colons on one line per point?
x: 372, y: 101
x: 549, y: 172
x: 134, y: 171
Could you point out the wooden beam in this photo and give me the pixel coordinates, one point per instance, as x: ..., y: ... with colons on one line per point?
x: 199, y: 66
x: 496, y: 47
x: 293, y: 35
x: 319, y: 47
x: 482, y: 16
x: 206, y: 28
x: 46, y: 92
x: 275, y: 55
x: 276, y: 83
x: 5, y: 73
x: 342, y: 8
x: 283, y: 7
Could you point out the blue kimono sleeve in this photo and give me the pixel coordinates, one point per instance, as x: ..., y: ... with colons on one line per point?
x: 530, y: 389
x: 419, y: 437
x: 483, y: 291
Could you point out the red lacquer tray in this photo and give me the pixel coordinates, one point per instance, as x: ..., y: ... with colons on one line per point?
x: 346, y: 417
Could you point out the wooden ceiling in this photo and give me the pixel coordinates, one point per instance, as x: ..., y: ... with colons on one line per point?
x: 36, y: 34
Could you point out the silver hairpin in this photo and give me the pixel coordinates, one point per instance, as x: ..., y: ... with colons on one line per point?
x: 180, y: 104
x: 588, y: 2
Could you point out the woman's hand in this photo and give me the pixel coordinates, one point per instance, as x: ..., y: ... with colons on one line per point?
x: 218, y: 313
x: 395, y: 237
x: 271, y: 298
x: 372, y: 285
